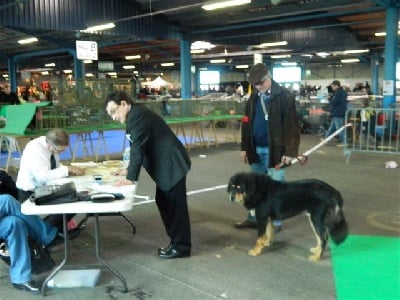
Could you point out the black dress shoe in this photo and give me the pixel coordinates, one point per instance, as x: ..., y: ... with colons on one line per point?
x: 29, y: 286
x: 174, y: 253
x: 163, y: 251
x: 246, y: 224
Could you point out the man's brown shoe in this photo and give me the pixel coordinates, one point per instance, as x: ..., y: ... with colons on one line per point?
x: 246, y: 224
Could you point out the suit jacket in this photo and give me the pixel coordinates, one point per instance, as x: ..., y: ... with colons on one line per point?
x: 155, y: 147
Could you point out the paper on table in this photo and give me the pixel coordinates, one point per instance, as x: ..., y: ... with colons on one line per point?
x: 85, y: 164
x: 109, y: 188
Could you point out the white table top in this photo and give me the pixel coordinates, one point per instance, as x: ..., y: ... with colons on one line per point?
x: 30, y: 208
x: 86, y: 183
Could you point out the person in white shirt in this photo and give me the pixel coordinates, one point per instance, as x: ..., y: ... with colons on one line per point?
x: 36, y: 168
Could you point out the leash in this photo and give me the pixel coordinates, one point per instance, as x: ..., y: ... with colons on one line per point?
x: 302, y: 159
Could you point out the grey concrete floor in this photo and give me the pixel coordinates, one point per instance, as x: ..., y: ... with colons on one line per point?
x: 219, y: 267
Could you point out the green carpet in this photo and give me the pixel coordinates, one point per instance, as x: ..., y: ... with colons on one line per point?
x: 367, y: 267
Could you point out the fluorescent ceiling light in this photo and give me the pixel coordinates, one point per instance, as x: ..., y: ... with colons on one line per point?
x: 100, y: 27
x: 355, y: 51
x: 383, y: 33
x: 5, y: 75
x: 217, y: 61
x: 211, y: 5
x: 350, y: 60
x: 67, y: 71
x: 50, y: 65
x: 323, y: 54
x: 27, y: 41
x: 307, y: 55
x: 201, y: 45
x: 89, y: 75
x: 112, y: 73
x: 129, y: 57
x: 274, y: 44
x: 197, y: 51
x: 45, y: 73
x: 281, y: 56
x: 242, y: 66
x: 88, y: 61
x: 129, y: 67
x: 170, y: 64
x: 286, y: 64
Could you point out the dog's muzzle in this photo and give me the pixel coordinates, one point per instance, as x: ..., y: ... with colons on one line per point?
x: 237, y: 197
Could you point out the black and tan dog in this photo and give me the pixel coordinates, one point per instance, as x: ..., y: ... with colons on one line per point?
x: 273, y: 199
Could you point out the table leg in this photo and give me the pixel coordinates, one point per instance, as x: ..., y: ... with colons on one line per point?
x: 100, y: 259
x: 63, y: 262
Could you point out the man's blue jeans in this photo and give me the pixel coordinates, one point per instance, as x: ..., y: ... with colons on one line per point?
x: 15, y: 228
x: 262, y: 168
x: 336, y: 123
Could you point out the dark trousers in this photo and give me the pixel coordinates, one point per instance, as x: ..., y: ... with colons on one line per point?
x: 174, y: 212
x: 54, y: 220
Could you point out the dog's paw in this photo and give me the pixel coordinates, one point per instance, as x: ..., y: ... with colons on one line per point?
x: 314, y: 258
x: 267, y: 243
x: 254, y: 252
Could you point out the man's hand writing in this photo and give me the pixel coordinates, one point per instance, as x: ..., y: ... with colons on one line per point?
x: 75, y: 171
x: 122, y: 172
x: 124, y: 181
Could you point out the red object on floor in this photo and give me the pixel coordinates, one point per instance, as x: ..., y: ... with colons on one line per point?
x: 71, y: 224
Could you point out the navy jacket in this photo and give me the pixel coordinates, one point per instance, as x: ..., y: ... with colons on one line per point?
x: 283, y: 127
x: 338, y: 103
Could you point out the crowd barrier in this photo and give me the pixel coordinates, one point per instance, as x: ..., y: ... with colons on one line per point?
x: 373, y: 130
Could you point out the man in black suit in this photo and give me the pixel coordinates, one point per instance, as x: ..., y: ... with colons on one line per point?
x: 154, y: 146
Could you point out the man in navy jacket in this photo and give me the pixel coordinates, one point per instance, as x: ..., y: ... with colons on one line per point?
x: 338, y: 104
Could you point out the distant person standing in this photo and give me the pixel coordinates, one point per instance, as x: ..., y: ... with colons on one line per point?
x: 338, y: 103
x: 8, y: 96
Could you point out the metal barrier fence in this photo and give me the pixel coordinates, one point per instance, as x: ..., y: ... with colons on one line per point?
x: 374, y: 130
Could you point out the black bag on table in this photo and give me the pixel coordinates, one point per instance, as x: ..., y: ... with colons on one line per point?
x: 55, y: 194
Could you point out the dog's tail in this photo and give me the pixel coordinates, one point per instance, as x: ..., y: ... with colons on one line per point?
x: 338, y: 229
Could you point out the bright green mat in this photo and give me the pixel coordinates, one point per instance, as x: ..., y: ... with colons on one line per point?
x: 367, y: 267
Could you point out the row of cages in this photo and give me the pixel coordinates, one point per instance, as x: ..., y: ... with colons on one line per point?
x: 62, y: 116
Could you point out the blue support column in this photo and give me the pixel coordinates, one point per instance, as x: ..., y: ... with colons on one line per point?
x: 79, y: 74
x: 199, y: 92
x: 375, y: 62
x: 391, y: 44
x: 186, y: 62
x: 12, y: 73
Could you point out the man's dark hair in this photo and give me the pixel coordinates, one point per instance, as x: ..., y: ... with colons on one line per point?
x: 117, y: 97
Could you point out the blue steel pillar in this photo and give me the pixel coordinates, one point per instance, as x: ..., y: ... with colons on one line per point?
x: 12, y: 73
x: 391, y: 44
x: 199, y: 92
x: 375, y: 61
x: 186, y: 62
x: 79, y: 74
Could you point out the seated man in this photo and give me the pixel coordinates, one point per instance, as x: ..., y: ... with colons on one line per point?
x: 15, y: 229
x: 40, y: 163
